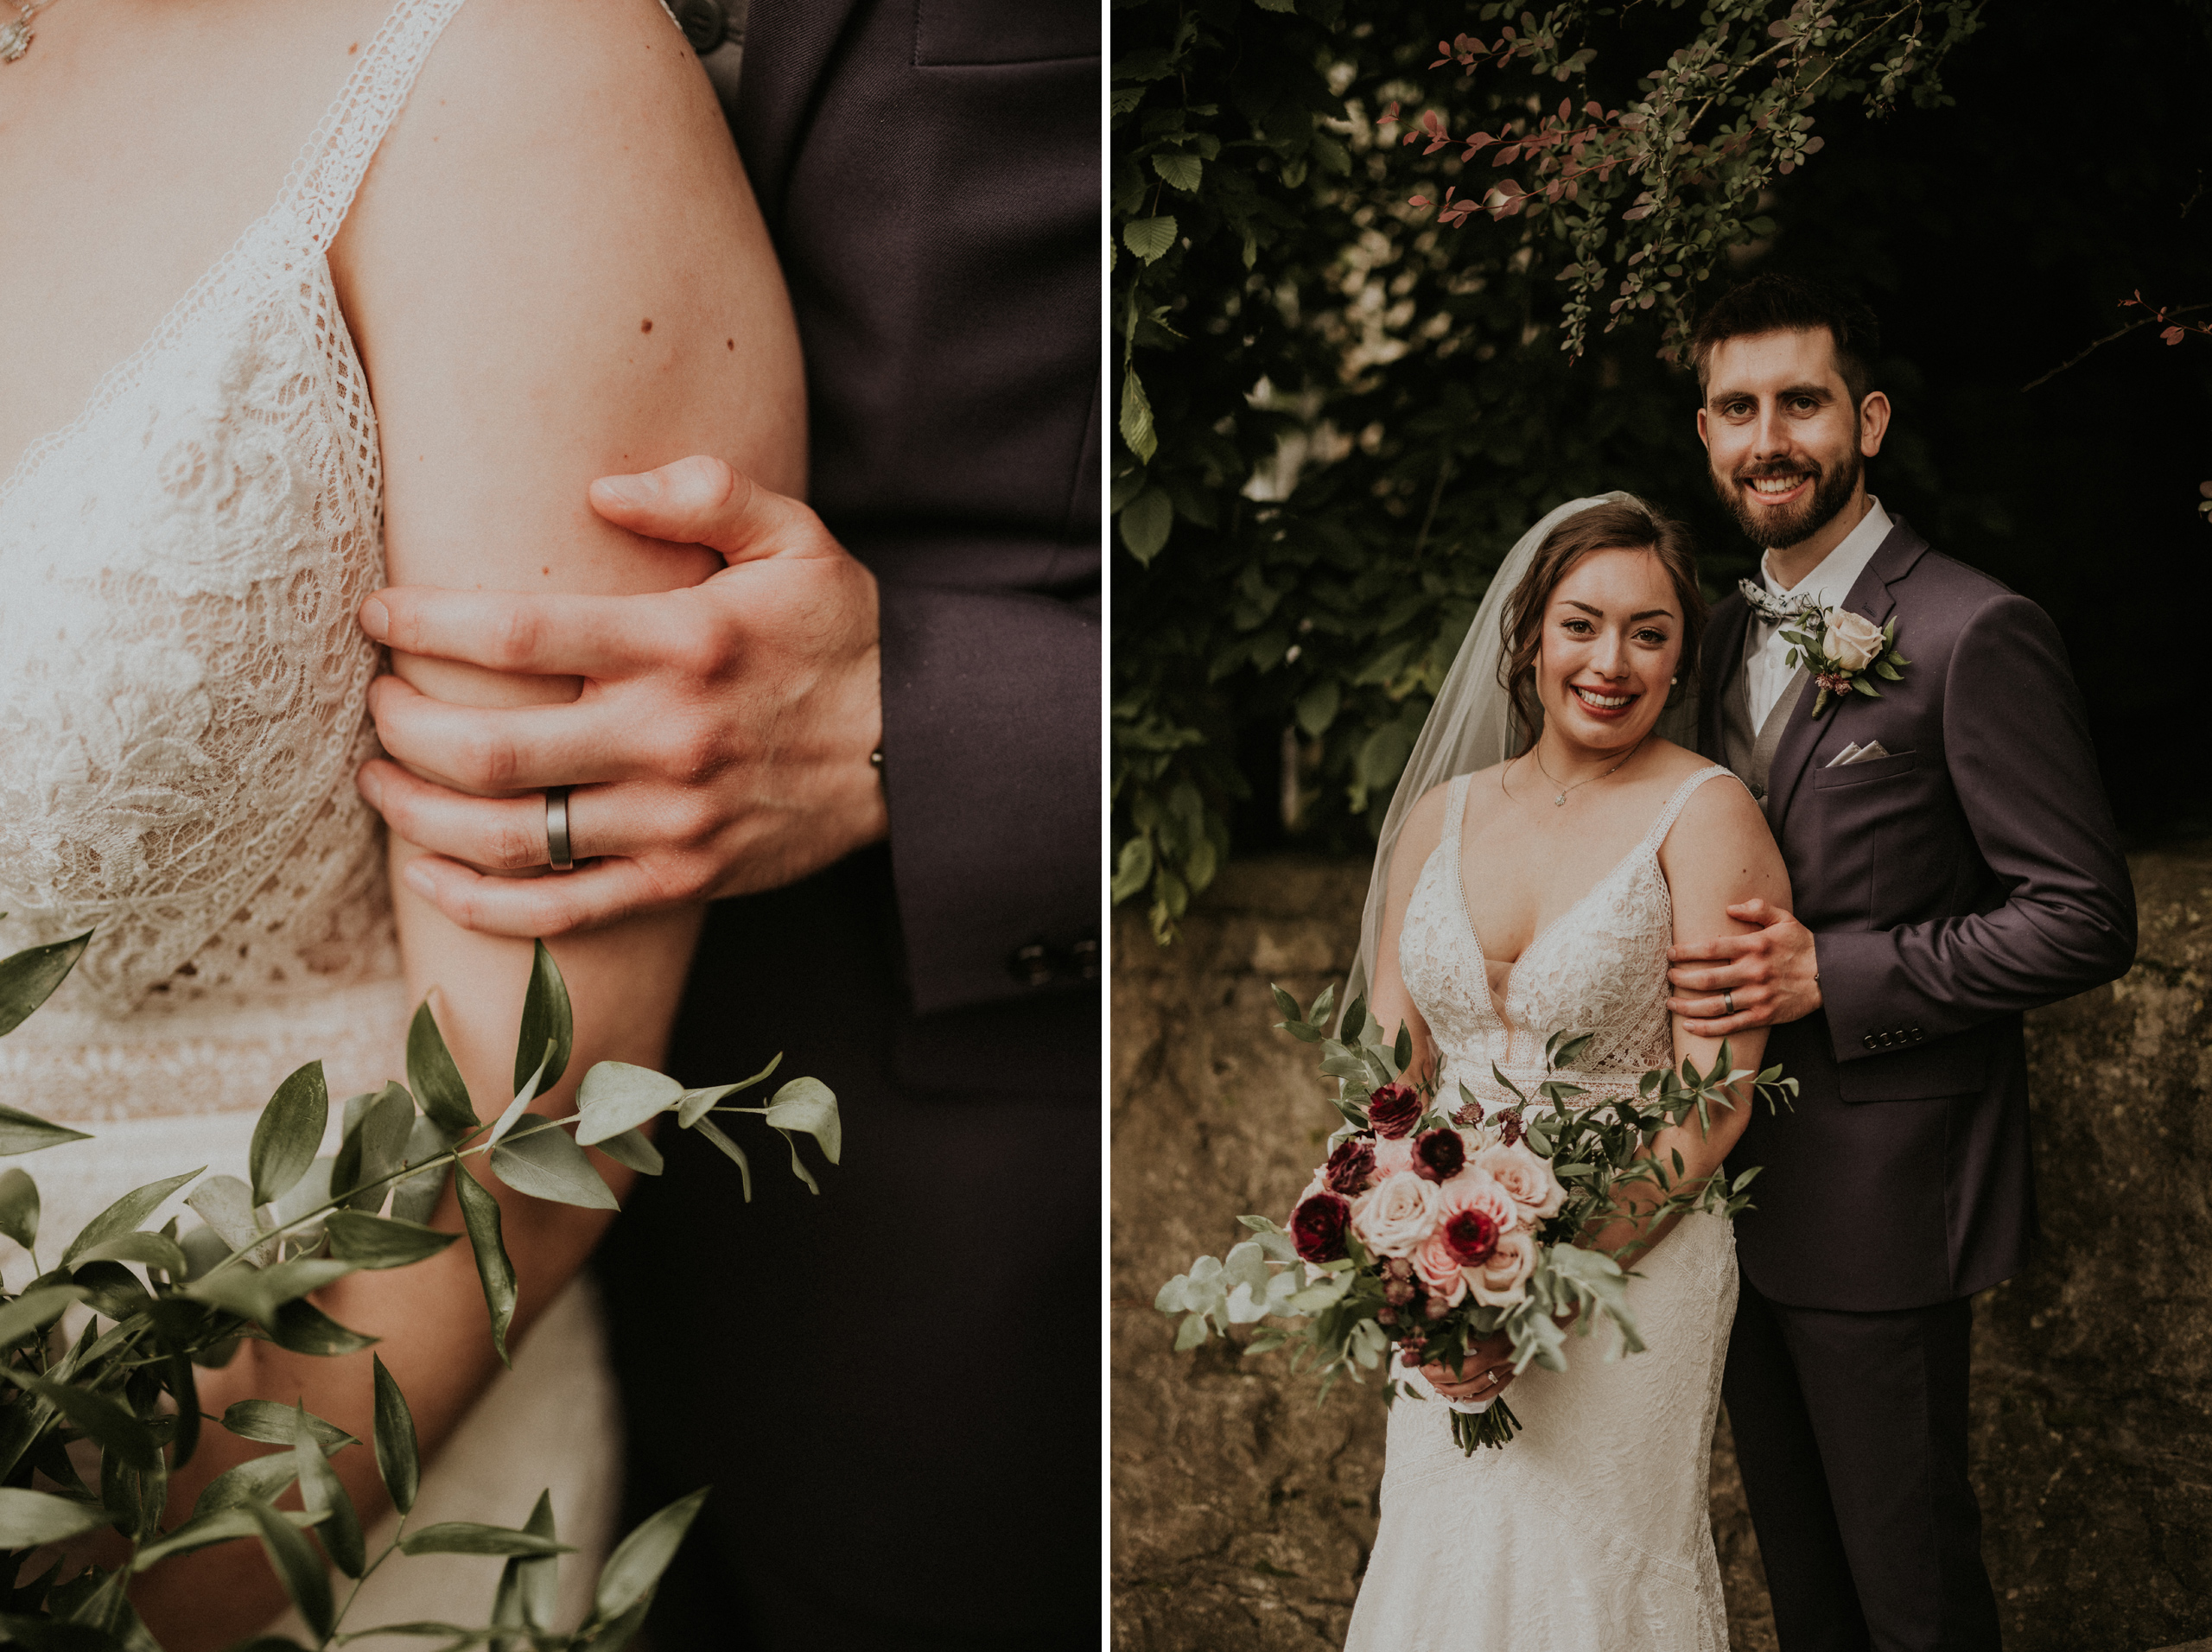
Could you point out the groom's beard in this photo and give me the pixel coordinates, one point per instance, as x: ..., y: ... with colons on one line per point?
x: 1773, y: 531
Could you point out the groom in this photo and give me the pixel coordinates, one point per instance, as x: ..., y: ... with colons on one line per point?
x: 1954, y: 863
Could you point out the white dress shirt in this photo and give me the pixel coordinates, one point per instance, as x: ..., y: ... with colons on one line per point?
x: 1767, y: 670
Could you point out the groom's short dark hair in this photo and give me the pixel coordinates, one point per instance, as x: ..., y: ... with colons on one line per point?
x: 1774, y: 302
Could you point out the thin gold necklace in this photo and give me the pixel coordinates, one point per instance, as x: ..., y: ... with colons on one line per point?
x: 16, y: 38
x: 1560, y: 802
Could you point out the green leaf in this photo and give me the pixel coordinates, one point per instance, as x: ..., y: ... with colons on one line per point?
x: 223, y: 1526
x: 807, y: 1104
x: 19, y: 1207
x: 547, y: 1024
x: 697, y: 1102
x: 398, y: 1461
x: 297, y: 1567
x: 1132, y: 868
x: 633, y: 1149
x: 1144, y: 523
x: 27, y: 978
x: 322, y: 1492
x: 1148, y: 238
x: 22, y: 1132
x: 633, y: 1570
x: 303, y: 1328
x: 1181, y: 171
x: 116, y: 1428
x: 375, y: 1147
x: 36, y: 1311
x: 467, y: 1537
x: 383, y: 1242
x: 152, y: 1248
x: 259, y: 1294
x: 529, y: 1591
x: 416, y: 1199
x: 29, y: 1518
x: 480, y: 1211
x: 225, y: 1204
x: 257, y: 1477
x: 289, y: 1134
x: 1276, y: 5
x: 538, y: 1159
x: 279, y: 1425
x: 1136, y: 426
x: 435, y: 1079
x: 799, y: 1164
x: 124, y: 1214
x: 709, y: 1129
x: 616, y: 1097
x: 1317, y: 707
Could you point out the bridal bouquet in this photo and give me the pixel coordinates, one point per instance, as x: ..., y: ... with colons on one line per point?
x: 1431, y: 1230
x: 163, y: 1301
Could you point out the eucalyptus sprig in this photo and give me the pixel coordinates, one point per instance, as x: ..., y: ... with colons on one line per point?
x: 127, y: 1384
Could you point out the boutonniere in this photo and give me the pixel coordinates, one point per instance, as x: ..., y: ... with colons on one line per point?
x: 1842, y: 651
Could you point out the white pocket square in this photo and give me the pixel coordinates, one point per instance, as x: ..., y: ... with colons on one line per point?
x: 1855, y: 753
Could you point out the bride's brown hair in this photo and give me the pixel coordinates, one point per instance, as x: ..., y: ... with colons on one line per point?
x: 1610, y: 526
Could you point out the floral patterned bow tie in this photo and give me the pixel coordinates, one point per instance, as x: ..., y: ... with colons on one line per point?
x: 1772, y: 610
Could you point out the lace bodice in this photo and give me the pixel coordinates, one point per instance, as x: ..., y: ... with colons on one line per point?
x: 183, y: 684
x: 1600, y: 967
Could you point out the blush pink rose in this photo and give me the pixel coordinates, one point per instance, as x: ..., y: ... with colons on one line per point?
x: 1502, y: 1281
x: 1392, y: 1158
x: 1440, y: 1269
x: 1526, y: 1176
x: 1475, y: 1189
x: 1393, y: 1218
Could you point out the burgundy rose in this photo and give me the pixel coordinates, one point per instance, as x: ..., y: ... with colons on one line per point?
x: 1350, y: 1167
x: 1470, y: 1236
x: 1438, y: 1155
x: 1317, y: 1226
x: 1394, y: 1111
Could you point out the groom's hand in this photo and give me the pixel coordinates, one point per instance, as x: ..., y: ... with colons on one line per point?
x: 1771, y: 974
x: 721, y: 745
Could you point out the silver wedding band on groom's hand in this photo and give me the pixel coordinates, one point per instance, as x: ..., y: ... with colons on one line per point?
x: 558, y: 849
x: 1728, y: 1000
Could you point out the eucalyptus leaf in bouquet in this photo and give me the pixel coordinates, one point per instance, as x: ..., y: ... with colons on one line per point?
x: 163, y: 1302
x: 1435, y: 1225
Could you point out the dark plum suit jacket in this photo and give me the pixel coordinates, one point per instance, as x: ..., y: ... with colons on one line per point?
x: 891, y: 1369
x: 1972, y: 874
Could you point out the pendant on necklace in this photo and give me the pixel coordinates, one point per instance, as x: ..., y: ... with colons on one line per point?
x: 1560, y: 802
x: 15, y: 39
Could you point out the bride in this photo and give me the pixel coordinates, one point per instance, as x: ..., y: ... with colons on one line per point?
x: 1538, y: 893
x: 302, y: 300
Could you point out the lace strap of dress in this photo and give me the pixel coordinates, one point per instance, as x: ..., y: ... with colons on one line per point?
x: 329, y: 170
x: 1455, y: 822
x: 1663, y: 822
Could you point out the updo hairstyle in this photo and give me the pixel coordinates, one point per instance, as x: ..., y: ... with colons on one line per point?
x: 1610, y: 526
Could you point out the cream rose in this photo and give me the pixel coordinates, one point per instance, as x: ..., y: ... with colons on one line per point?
x: 1527, y: 1176
x: 1440, y: 1269
x: 1502, y: 1282
x: 1392, y: 1217
x: 1851, y: 640
x: 1393, y: 1156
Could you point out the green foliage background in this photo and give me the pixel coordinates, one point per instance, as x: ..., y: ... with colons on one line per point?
x: 1336, y: 416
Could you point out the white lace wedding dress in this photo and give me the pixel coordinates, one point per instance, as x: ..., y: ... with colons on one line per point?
x: 182, y: 694
x: 1588, y: 1532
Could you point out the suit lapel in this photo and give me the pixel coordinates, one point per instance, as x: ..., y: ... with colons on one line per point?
x: 1870, y: 595
x: 788, y: 47
x: 1723, y: 661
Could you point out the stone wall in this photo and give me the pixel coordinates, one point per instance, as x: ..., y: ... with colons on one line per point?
x: 1243, y: 1512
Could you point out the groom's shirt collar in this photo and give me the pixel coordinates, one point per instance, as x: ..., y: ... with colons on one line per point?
x: 1767, y: 670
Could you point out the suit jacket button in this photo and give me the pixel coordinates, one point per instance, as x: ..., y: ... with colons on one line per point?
x: 1084, y: 955
x: 1916, y: 1032
x: 1031, y: 965
x: 1869, y: 1042
x: 1757, y: 792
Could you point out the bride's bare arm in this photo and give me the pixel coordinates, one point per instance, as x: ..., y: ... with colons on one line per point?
x: 1720, y: 852
x: 554, y: 272
x: 1393, y: 1005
